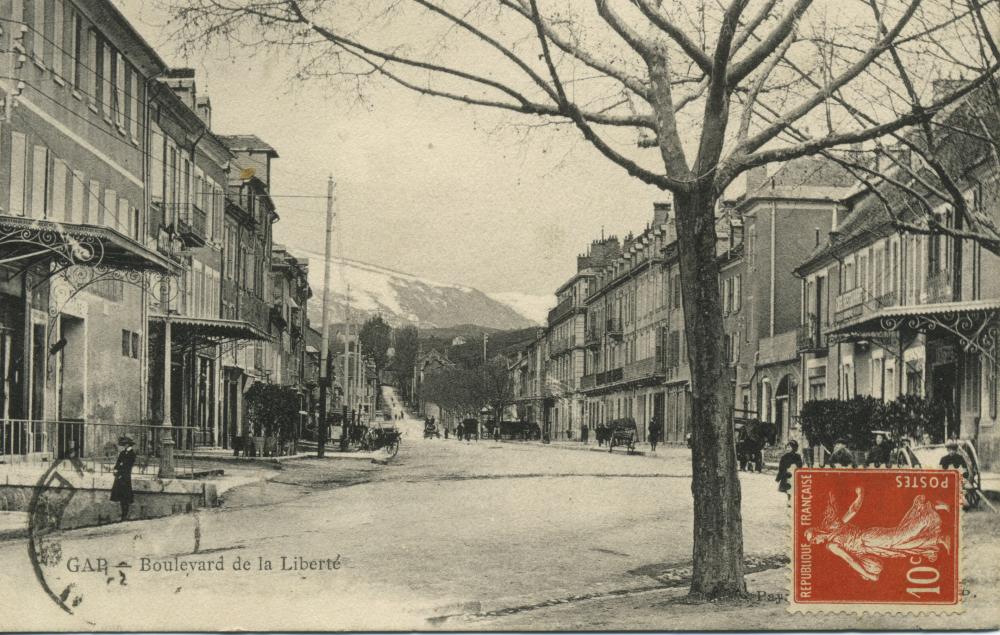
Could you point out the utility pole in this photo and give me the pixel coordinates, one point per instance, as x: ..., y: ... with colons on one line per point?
x: 346, y: 383
x: 324, y: 371
x: 359, y: 392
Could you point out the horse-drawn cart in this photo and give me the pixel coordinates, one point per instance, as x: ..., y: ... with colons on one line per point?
x: 623, y: 433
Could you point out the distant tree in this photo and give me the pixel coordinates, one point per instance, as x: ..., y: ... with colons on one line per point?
x: 405, y: 358
x: 496, y: 386
x: 376, y: 338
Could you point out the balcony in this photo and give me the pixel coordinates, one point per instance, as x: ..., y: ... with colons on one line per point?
x: 557, y: 347
x: 613, y: 327
x: 940, y: 286
x: 643, y: 369
x: 561, y: 310
x: 588, y: 381
x: 592, y: 339
x: 192, y: 225
x: 810, y: 337
x: 610, y: 376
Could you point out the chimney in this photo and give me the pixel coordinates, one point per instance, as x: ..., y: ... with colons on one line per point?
x: 755, y: 179
x: 205, y: 111
x: 661, y: 213
x: 181, y: 81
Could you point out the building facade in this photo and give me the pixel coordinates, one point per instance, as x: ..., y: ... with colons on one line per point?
x: 77, y: 271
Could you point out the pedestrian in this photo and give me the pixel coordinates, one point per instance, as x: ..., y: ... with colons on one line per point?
x: 654, y: 433
x: 496, y: 433
x: 121, y: 490
x: 881, y: 454
x: 446, y: 432
x: 953, y: 460
x: 789, y: 462
x: 459, y: 430
x: 841, y: 456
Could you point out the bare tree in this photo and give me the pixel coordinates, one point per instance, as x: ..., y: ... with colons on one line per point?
x: 684, y: 95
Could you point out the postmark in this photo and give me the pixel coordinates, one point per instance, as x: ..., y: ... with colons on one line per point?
x: 876, y: 540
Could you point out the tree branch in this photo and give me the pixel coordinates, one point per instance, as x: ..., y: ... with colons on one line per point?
x: 767, y: 46
x: 693, y: 51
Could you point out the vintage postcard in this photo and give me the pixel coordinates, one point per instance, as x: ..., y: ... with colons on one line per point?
x: 499, y: 315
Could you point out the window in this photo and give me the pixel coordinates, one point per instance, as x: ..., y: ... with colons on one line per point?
x: 134, y: 108
x: 58, y: 37
x: 96, y: 62
x: 38, y: 29
x: 135, y: 346
x: 157, y: 167
x: 109, y: 209
x: 108, y: 69
x: 94, y: 204
x: 737, y: 290
x: 126, y: 343
x: 18, y: 150
x: 57, y: 209
x: 78, y: 48
x: 118, y: 73
x: 876, y: 379
x: 75, y: 212
x: 185, y: 186
x: 39, y: 181
x: 123, y: 217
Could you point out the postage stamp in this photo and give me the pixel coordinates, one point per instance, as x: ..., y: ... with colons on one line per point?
x: 877, y: 540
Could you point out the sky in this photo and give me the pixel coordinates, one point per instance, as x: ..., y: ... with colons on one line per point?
x: 445, y: 192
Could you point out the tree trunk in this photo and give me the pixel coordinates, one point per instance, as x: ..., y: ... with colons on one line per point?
x: 718, y: 527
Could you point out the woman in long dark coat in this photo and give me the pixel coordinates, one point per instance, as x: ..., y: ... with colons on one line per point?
x: 121, y: 491
x: 785, y: 468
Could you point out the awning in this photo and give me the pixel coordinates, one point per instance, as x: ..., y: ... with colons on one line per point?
x: 312, y: 349
x: 918, y: 317
x: 973, y: 324
x: 25, y: 241
x: 209, y: 331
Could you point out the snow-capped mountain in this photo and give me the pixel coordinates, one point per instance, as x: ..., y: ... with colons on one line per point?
x: 403, y: 298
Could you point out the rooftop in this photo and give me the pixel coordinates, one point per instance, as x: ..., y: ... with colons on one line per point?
x: 248, y: 143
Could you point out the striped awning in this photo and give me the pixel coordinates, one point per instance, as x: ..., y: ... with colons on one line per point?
x: 213, y: 330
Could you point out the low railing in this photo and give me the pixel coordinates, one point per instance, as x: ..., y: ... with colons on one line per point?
x: 810, y: 336
x: 25, y: 442
x: 560, y: 311
x: 194, y: 220
x: 610, y: 376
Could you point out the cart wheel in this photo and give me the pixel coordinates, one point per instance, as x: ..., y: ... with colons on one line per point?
x: 391, y: 448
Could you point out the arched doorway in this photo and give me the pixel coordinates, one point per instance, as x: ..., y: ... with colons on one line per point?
x: 785, y: 405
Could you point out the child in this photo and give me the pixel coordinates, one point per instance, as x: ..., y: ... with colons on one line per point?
x: 789, y: 459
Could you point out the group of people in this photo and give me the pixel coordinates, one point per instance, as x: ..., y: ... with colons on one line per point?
x: 882, y: 454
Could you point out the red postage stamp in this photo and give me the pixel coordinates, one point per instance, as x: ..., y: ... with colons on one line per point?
x: 876, y: 540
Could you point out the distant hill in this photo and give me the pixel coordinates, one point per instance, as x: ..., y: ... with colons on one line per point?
x: 403, y: 298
